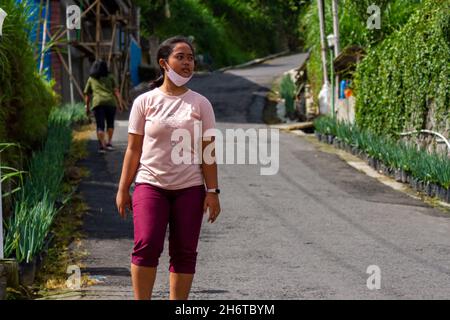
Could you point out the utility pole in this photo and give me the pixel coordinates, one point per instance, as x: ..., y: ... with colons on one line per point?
x: 323, y: 43
x: 335, y: 83
x: 336, y: 27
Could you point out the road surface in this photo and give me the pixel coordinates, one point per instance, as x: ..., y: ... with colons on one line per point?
x: 308, y: 232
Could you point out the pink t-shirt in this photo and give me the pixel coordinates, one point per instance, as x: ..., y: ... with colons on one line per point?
x: 156, y: 115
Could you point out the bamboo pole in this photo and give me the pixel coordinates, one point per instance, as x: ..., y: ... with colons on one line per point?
x: 97, y: 31
x: 72, y: 79
x: 70, y: 74
x: 44, y: 37
x: 104, y: 9
x: 113, y: 39
x: 38, y: 31
x: 122, y: 84
x: 323, y: 43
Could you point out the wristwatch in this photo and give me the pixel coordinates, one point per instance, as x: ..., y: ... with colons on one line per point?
x: 213, y: 190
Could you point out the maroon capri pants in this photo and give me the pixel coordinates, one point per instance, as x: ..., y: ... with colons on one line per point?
x: 153, y: 209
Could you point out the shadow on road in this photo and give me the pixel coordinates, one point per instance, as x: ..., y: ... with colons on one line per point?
x: 235, y: 99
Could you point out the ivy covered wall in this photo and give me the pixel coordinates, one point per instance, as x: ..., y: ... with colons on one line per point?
x: 403, y: 83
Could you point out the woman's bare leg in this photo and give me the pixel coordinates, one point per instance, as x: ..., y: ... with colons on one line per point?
x: 180, y: 285
x: 110, y: 134
x: 101, y: 138
x: 143, y: 279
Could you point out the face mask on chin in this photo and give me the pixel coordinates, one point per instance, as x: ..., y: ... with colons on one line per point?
x: 177, y: 79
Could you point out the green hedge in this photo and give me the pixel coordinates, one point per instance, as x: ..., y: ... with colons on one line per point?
x: 25, y: 97
x: 407, y: 74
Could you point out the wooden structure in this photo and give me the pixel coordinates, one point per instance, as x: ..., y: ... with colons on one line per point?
x: 107, y: 29
x: 345, y: 63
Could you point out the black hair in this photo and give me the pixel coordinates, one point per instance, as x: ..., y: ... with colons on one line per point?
x: 99, y: 69
x: 164, y: 51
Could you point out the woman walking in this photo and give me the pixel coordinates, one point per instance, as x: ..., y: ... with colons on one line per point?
x: 105, y: 99
x: 168, y: 192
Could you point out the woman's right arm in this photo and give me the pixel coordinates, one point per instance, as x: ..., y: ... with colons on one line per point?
x: 129, y: 168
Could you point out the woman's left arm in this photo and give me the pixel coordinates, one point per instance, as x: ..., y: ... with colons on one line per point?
x: 209, y: 169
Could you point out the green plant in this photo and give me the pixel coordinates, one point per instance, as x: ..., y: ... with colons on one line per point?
x: 360, y: 138
x: 391, y: 153
x: 28, y: 228
x: 442, y: 171
x: 34, y: 207
x: 71, y: 113
x: 345, y: 132
x: 318, y: 124
x: 287, y: 92
x: 10, y: 173
x: 396, y: 156
x: 373, y: 146
x: 426, y: 167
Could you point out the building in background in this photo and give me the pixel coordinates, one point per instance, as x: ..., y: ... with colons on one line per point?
x: 109, y: 29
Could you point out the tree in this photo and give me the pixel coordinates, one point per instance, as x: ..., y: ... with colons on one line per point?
x: 152, y: 13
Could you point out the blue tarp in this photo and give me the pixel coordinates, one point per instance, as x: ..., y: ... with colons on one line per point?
x: 34, y: 9
x: 135, y: 61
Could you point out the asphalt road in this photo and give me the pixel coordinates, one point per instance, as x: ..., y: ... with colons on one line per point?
x: 310, y: 231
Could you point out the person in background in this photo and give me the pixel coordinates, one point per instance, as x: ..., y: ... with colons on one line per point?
x: 102, y: 91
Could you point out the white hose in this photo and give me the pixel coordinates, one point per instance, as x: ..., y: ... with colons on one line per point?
x: 429, y: 131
